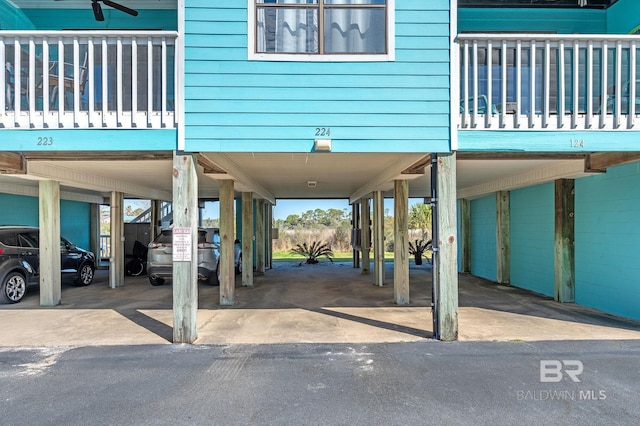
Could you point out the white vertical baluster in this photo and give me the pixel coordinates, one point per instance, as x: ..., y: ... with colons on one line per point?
x: 149, y: 81
x: 465, y: 91
x: 474, y: 101
x: 561, y: 85
x: 45, y: 81
x: 605, y: 76
x: 91, y: 81
x: 518, y: 65
x: 134, y: 82
x: 532, y: 84
x: 76, y: 82
x: 589, y: 117
x: 163, y: 80
x: 119, y: 81
x: 618, y: 88
x: 488, y: 113
x: 503, y: 89
x: 60, y: 88
x: 547, y: 83
x: 105, y: 80
x: 632, y: 84
x: 576, y: 84
x: 32, y: 81
x: 17, y: 85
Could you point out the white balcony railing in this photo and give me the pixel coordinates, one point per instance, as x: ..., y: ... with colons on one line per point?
x: 549, y: 82
x: 87, y: 79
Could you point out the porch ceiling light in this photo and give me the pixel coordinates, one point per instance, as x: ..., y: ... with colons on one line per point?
x: 582, y: 3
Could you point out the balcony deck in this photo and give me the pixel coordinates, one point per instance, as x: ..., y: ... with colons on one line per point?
x: 87, y: 79
x: 549, y: 82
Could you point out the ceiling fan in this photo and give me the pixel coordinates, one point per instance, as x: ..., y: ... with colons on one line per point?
x: 97, y: 9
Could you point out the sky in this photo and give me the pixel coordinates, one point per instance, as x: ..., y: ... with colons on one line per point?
x: 285, y: 208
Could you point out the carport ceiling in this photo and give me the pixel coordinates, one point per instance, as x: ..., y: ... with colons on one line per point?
x: 287, y: 175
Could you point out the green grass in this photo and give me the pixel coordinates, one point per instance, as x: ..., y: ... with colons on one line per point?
x: 285, y: 256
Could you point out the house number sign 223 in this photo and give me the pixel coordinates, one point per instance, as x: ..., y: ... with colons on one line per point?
x: 45, y: 140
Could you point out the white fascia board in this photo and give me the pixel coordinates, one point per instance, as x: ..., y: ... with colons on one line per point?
x: 78, y: 179
x: 234, y: 172
x: 564, y: 170
x: 33, y: 191
x: 390, y: 174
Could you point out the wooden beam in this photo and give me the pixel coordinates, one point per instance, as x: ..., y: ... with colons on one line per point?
x: 116, y: 257
x: 11, y: 162
x: 49, y: 253
x: 465, y: 235
x: 503, y: 245
x: 401, y: 242
x: 247, y: 239
x: 366, y: 236
x: 209, y: 167
x: 185, y: 261
x: 260, y: 237
x: 446, y: 259
x: 564, y: 236
x: 519, y: 156
x: 378, y: 237
x: 227, y: 238
x: 599, y: 162
x: 418, y: 167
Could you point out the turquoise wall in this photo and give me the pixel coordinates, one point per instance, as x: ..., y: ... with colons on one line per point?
x: 75, y: 217
x: 623, y: 17
x: 70, y: 19
x: 607, y: 241
x: 233, y: 104
x: 483, y: 237
x: 12, y: 18
x: 562, y: 21
x: 532, y: 223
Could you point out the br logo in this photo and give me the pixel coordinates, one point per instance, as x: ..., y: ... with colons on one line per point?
x: 552, y: 370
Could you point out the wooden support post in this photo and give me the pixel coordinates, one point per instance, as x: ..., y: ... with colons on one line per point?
x: 94, y: 231
x: 116, y: 258
x: 154, y: 227
x: 465, y: 235
x: 447, y: 257
x: 260, y: 236
x: 355, y: 226
x: 247, y: 239
x: 185, y: 259
x: 401, y: 242
x: 49, y: 221
x: 503, y: 245
x: 269, y: 235
x: 378, y: 237
x: 227, y: 238
x: 564, y: 256
x: 366, y: 236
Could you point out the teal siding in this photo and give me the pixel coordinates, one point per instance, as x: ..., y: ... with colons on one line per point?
x: 483, y: 237
x: 562, y: 21
x: 69, y: 19
x: 545, y: 141
x: 75, y: 217
x: 532, y: 238
x: 623, y: 17
x: 607, y: 228
x: 91, y: 139
x: 233, y: 104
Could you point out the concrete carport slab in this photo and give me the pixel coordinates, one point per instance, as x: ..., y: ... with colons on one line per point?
x: 324, y: 303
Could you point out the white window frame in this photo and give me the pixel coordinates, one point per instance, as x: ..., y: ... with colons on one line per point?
x: 307, y: 57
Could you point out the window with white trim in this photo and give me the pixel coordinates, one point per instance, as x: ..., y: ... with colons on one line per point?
x: 320, y: 28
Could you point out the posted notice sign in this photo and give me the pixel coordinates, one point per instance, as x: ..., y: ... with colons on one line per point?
x: 182, y: 244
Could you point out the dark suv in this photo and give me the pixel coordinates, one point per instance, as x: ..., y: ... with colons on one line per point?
x: 20, y: 265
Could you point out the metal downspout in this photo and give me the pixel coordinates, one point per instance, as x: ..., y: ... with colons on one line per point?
x: 434, y: 245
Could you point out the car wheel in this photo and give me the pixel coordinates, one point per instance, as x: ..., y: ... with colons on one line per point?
x: 85, y: 275
x: 135, y: 267
x: 13, y: 288
x: 155, y: 281
x: 239, y: 266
